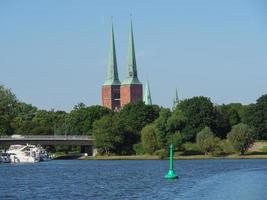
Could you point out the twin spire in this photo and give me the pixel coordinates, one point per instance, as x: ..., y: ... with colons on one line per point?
x: 112, y: 74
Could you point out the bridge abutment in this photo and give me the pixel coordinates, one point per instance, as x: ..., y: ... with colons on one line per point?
x: 87, y: 149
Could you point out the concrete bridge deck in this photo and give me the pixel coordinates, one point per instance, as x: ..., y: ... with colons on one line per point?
x: 47, y: 140
x: 85, y: 142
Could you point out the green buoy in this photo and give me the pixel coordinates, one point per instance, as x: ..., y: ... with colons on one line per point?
x: 171, y: 174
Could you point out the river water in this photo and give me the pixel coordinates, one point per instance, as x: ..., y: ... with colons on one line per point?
x: 78, y: 179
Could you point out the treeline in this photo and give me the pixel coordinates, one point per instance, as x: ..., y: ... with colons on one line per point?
x: 195, y: 123
x: 24, y: 119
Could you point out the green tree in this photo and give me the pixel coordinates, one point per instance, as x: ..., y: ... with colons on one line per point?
x: 161, y: 125
x: 206, y: 140
x: 22, y: 123
x: 176, y: 122
x: 148, y: 139
x: 256, y: 117
x: 231, y: 113
x: 241, y: 137
x: 81, y: 118
x: 177, y: 140
x: 43, y: 123
x: 138, y: 115
x: 200, y: 112
x: 107, y: 135
x: 8, y: 110
x: 112, y: 135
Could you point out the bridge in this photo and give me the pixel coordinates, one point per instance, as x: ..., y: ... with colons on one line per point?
x: 85, y: 142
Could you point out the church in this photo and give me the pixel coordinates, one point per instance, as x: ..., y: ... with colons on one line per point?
x: 116, y: 94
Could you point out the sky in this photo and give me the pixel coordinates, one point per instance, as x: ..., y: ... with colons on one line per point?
x: 54, y: 54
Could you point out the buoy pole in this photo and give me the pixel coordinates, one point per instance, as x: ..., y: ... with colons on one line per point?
x: 171, y: 174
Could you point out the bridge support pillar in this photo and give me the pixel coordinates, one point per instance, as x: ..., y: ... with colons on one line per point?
x: 87, y: 149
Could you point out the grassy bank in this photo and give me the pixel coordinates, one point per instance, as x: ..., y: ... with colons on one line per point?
x: 191, y: 157
x: 257, y: 151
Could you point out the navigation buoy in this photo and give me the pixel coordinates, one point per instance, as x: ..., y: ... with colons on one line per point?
x: 171, y: 174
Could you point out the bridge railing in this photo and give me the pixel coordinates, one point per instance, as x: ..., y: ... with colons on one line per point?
x: 46, y: 137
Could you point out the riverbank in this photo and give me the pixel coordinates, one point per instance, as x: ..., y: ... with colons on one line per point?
x: 257, y: 151
x: 188, y: 157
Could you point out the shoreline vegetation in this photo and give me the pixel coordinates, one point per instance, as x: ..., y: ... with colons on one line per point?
x: 257, y: 151
x: 154, y: 157
x: 197, y: 127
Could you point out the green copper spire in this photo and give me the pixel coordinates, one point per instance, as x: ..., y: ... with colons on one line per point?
x: 112, y: 74
x: 131, y: 68
x: 147, y: 96
x: 176, y: 99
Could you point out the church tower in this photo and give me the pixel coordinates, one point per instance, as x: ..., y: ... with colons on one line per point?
x: 131, y: 89
x: 111, y: 86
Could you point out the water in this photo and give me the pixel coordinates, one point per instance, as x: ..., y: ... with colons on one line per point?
x: 74, y: 179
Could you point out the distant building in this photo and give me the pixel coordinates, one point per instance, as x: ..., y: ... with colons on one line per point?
x: 115, y: 94
x: 176, y: 100
x: 147, y: 95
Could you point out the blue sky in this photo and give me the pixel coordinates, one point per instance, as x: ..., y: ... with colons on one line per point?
x: 54, y: 54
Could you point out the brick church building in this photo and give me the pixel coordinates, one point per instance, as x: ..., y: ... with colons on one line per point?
x: 116, y: 94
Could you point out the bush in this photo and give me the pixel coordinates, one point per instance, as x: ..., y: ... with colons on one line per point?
x: 226, y: 147
x: 162, y: 153
x: 191, y: 149
x: 241, y: 137
x: 138, y: 149
x: 207, y: 142
x: 148, y: 138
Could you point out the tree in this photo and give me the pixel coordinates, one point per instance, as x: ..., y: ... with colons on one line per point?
x: 8, y: 110
x: 43, y: 123
x: 148, y: 139
x: 161, y: 125
x: 137, y: 115
x: 206, y: 140
x: 176, y: 122
x: 256, y: 117
x: 230, y: 112
x: 22, y: 123
x: 200, y: 112
x: 81, y: 118
x: 177, y: 140
x: 241, y: 137
x: 107, y: 135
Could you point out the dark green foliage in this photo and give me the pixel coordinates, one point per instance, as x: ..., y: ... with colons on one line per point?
x: 138, y: 115
x: 200, y: 112
x: 8, y: 110
x: 23, y: 123
x: 231, y: 113
x: 161, y: 125
x: 256, y: 117
x: 148, y: 139
x: 81, y: 118
x: 120, y: 133
x: 176, y: 122
x: 241, y: 137
x: 138, y: 149
x: 108, y: 135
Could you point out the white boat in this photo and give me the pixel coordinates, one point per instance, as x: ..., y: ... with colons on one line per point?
x: 44, y: 156
x: 24, y: 153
